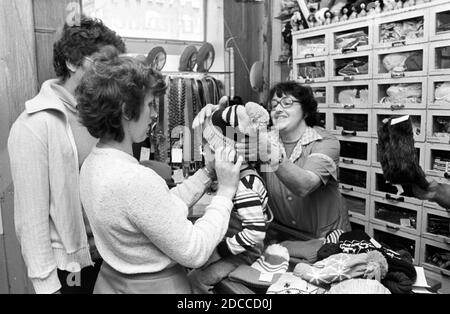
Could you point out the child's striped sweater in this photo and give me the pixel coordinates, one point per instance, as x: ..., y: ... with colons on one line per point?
x: 249, y: 218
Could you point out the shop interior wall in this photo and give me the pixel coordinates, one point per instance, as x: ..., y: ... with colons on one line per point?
x: 18, y: 82
x: 245, y: 22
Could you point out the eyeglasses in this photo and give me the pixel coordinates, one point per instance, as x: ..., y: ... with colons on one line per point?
x: 286, y: 102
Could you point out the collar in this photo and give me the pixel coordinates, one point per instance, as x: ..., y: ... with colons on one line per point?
x: 47, y: 99
x: 310, y: 135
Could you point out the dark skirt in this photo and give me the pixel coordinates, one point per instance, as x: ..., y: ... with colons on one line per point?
x: 173, y: 280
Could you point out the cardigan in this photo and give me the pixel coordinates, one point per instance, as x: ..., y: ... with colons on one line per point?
x: 139, y: 225
x: 47, y: 208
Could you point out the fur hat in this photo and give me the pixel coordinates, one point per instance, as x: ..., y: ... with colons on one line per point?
x: 244, y: 121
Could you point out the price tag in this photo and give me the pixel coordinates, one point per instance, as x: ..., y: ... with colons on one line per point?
x: 177, y: 155
x: 266, y: 277
x: 375, y: 243
x: 145, y: 154
x: 178, y: 176
x: 405, y: 222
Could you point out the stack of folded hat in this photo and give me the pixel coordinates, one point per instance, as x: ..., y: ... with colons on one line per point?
x: 266, y: 270
x: 401, y: 272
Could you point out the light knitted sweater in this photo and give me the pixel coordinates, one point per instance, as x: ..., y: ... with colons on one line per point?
x: 139, y: 225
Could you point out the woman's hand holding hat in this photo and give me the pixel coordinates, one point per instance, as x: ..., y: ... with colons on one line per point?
x: 207, y: 112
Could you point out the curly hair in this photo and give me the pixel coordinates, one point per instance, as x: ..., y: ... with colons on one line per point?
x: 111, y: 82
x: 81, y: 40
x: 305, y: 96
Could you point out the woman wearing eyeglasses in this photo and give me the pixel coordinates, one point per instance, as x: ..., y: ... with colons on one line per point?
x: 303, y: 178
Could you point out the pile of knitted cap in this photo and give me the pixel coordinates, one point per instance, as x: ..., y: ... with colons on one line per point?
x: 401, y: 272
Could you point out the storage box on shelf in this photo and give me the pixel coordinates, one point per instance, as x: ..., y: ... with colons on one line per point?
x: 439, y: 54
x: 401, y: 29
x: 400, y: 62
x: 355, y: 151
x: 393, y: 194
x: 434, y: 205
x: 324, y: 117
x: 354, y: 178
x: 357, y: 205
x: 418, y: 118
x: 350, y: 122
x: 436, y: 225
x: 350, y: 95
x: 420, y: 150
x: 396, y: 239
x: 311, y: 44
x: 311, y: 70
x: 351, y: 66
x: 435, y: 257
x: 398, y: 94
x: 396, y: 215
x: 439, y: 92
x: 353, y: 37
x: 321, y: 93
x: 437, y: 160
x: 439, y: 22
x: 438, y: 130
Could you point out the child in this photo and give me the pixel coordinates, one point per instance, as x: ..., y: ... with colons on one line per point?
x: 243, y: 242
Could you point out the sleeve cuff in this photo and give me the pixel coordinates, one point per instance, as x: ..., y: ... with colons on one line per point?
x: 47, y: 285
x: 223, y: 249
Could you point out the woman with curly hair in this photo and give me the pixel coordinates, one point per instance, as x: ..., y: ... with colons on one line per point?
x: 47, y: 146
x: 303, y: 162
x: 140, y: 226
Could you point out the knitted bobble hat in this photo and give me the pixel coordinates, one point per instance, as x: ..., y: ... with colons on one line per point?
x: 275, y: 259
x: 227, y: 125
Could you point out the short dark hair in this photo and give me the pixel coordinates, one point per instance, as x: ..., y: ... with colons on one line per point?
x: 81, y: 40
x: 301, y: 92
x: 112, y: 81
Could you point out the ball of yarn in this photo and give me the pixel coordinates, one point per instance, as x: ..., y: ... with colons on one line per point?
x: 377, y: 266
x: 327, y: 250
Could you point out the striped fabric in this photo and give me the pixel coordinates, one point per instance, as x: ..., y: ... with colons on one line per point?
x: 271, y: 264
x: 333, y: 236
x: 250, y: 205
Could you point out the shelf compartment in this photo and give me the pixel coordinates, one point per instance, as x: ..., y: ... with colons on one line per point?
x: 420, y: 151
x: 321, y: 92
x: 353, y: 178
x: 359, y: 224
x: 439, y: 63
x: 310, y: 45
x: 398, y: 63
x: 434, y: 205
x: 350, y: 67
x: 398, y: 94
x: 435, y: 256
x: 311, y: 70
x: 351, y: 38
x: 438, y: 130
x: 396, y: 239
x: 350, y: 95
x: 350, y: 123
x: 436, y: 225
x: 355, y: 151
x: 358, y: 205
x: 392, y: 193
x: 437, y: 161
x: 324, y: 117
x: 401, y: 29
x: 417, y: 117
x: 396, y: 216
x: 440, y: 22
x: 439, y: 92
